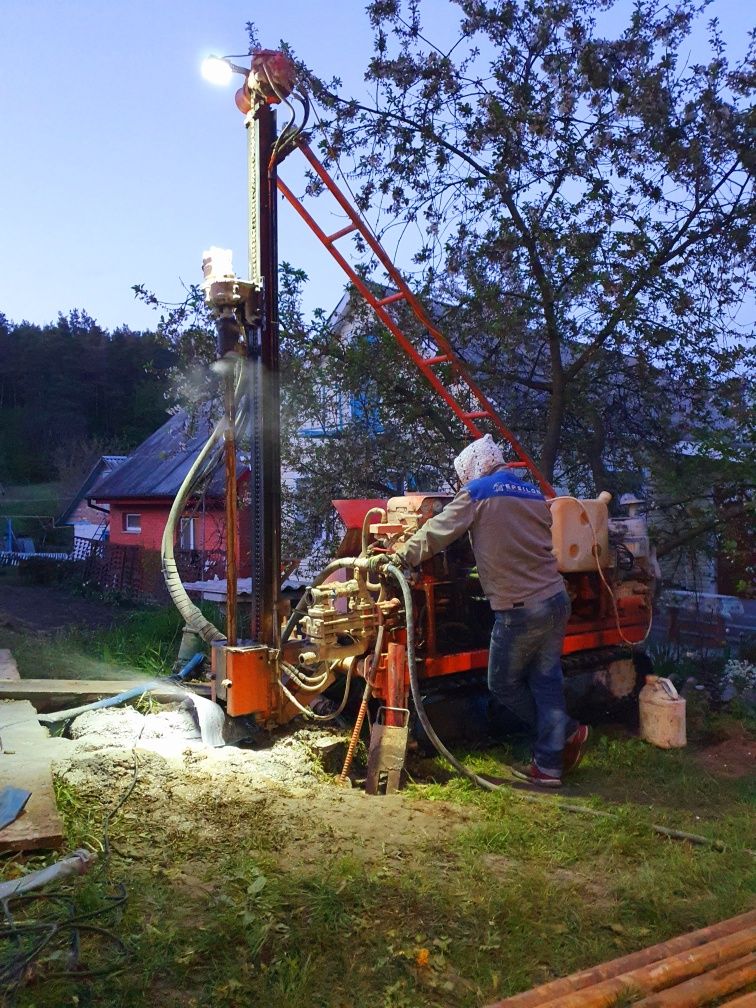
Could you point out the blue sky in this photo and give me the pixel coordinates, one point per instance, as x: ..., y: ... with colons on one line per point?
x: 119, y: 164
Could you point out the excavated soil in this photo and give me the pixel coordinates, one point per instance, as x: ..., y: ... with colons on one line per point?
x: 277, y: 797
x: 731, y: 758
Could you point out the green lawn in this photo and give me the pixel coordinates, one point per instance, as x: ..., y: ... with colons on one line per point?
x: 143, y: 641
x: 235, y: 901
x: 32, y: 509
x: 238, y: 907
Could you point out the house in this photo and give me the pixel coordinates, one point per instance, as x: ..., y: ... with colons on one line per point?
x: 140, y: 492
x: 90, y: 521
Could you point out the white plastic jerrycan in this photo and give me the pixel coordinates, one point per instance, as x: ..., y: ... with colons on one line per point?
x: 662, y: 714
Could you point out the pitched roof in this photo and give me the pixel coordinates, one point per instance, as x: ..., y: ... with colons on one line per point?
x: 104, y: 465
x: 157, y: 468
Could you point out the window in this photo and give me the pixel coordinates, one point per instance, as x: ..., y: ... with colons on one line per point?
x: 132, y: 523
x: 188, y: 533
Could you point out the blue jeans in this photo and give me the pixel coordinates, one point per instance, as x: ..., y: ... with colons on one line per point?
x: 525, y: 674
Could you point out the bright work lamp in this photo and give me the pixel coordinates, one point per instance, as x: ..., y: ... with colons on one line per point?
x: 217, y: 70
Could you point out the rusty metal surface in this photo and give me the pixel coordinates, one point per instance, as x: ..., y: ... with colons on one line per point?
x: 388, y: 748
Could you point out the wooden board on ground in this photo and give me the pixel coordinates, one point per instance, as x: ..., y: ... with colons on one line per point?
x: 8, y: 667
x: 25, y: 763
x: 49, y: 695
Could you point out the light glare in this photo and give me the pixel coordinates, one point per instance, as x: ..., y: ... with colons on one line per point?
x: 216, y: 71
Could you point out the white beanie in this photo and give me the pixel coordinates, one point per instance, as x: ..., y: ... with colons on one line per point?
x: 478, y: 458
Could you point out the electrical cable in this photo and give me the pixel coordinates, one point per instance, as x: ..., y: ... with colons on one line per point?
x: 606, y: 584
x: 481, y: 782
x: 15, y: 968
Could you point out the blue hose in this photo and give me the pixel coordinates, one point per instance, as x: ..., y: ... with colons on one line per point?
x: 194, y: 662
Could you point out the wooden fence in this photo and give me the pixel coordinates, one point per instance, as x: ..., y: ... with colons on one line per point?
x: 131, y: 571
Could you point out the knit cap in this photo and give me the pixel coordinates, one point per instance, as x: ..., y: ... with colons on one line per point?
x: 478, y: 458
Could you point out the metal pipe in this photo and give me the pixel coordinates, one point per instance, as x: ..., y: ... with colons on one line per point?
x: 654, y: 953
x: 701, y: 990
x: 77, y: 863
x: 229, y: 448
x: 658, y: 976
x: 264, y: 393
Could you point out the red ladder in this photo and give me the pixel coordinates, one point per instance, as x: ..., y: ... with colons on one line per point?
x: 380, y: 305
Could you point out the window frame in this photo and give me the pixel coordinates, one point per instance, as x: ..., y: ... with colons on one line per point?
x: 127, y: 525
x: 189, y: 521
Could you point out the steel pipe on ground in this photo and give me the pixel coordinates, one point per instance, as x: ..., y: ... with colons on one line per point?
x: 659, y: 975
x: 701, y: 990
x: 742, y: 1001
x: 655, y: 953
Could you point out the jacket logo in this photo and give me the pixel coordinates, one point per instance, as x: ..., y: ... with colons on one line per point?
x: 518, y: 488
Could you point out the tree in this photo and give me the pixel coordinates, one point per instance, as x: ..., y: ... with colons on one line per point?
x: 584, y: 196
x: 69, y: 388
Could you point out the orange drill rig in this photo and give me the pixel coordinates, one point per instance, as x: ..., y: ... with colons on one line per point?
x: 425, y: 634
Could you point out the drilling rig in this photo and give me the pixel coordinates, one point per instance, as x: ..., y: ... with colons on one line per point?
x: 425, y: 633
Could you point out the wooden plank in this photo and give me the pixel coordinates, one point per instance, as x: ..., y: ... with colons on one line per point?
x: 25, y: 763
x: 8, y: 667
x: 58, y: 694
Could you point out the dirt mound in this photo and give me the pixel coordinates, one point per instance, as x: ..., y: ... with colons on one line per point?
x: 277, y: 794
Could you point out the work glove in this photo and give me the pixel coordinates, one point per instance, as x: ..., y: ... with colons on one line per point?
x: 379, y: 561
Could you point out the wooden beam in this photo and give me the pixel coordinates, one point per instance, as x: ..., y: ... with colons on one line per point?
x: 25, y: 763
x: 49, y: 695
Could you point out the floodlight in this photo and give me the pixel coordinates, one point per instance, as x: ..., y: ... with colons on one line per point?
x: 217, y: 70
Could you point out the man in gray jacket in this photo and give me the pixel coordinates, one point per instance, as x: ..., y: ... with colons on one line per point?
x: 509, y: 524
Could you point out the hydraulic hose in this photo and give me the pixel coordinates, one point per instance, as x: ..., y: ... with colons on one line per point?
x: 401, y: 580
x: 205, y: 461
x: 310, y: 713
x: 296, y: 614
x: 481, y: 781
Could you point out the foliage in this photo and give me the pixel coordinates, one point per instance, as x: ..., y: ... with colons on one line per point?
x: 582, y: 193
x: 581, y: 201
x: 70, y: 389
x: 349, y: 409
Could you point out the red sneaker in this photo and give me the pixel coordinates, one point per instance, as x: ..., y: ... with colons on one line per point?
x: 574, y: 748
x: 532, y: 774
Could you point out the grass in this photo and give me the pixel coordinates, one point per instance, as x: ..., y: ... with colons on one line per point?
x: 523, y: 893
x: 225, y: 910
x: 144, y: 642
x: 32, y: 509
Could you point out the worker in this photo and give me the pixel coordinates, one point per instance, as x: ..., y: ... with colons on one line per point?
x: 510, y: 527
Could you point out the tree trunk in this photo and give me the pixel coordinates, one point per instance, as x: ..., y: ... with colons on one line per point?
x: 557, y: 406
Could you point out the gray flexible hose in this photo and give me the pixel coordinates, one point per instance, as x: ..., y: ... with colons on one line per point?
x: 189, y: 611
x: 401, y: 580
x: 481, y: 781
x: 205, y: 461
